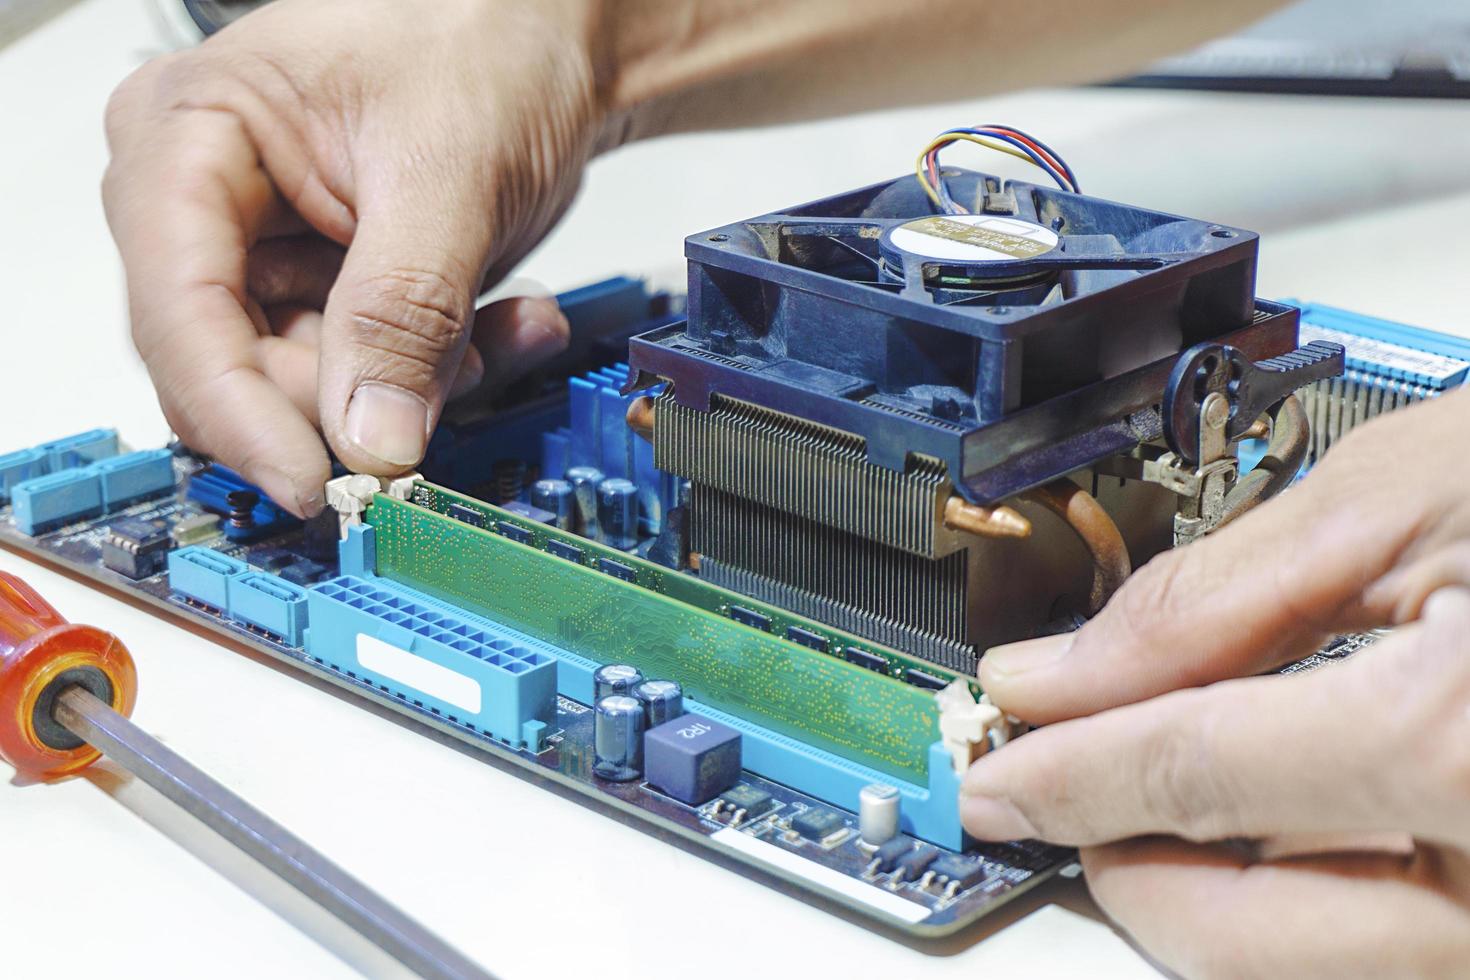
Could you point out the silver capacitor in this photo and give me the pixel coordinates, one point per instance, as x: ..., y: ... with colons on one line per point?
x: 557, y: 497
x: 615, y: 679
x: 584, y: 481
x: 662, y: 701
x: 617, y: 513
x: 617, y: 738
x: 878, y: 813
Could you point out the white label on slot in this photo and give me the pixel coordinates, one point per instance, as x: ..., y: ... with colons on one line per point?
x: 832, y: 880
x: 418, y: 674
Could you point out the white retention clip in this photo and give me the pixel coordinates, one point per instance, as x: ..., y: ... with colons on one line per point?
x: 968, y: 729
x: 350, y: 495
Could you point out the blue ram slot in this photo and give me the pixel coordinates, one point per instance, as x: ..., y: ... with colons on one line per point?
x: 270, y: 603
x: 930, y: 812
x: 134, y: 476
x: 469, y: 673
x: 1395, y: 351
x: 21, y: 465
x: 45, y: 502
x: 79, y: 450
x: 204, y: 575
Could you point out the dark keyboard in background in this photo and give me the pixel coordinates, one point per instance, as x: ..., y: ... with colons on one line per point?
x: 1404, y: 48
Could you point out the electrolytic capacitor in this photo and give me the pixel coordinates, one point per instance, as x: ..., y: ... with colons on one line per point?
x: 584, y: 481
x: 558, y: 497
x: 617, y: 513
x: 615, y: 679
x: 878, y: 813
x: 617, y: 738
x: 662, y: 701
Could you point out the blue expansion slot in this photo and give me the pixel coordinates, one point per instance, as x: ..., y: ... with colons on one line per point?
x: 77, y: 477
x: 134, y: 476
x: 44, y: 502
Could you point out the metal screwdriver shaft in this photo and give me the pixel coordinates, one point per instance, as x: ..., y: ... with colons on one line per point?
x: 260, y: 837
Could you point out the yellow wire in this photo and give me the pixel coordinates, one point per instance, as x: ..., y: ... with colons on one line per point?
x: 948, y: 138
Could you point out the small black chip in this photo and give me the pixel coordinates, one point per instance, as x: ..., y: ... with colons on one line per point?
x: 468, y: 515
x: 817, y: 824
x: 135, y: 548
x: 865, y: 659
x: 513, y: 531
x: 617, y: 569
x: 806, y: 638
x: 750, y: 617
x: 304, y: 572
x: 889, y: 852
x: 927, y: 681
x: 965, y: 869
x: 915, y: 862
x: 743, y: 796
x: 563, y: 550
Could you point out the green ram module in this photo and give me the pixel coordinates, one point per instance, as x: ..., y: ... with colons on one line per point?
x: 687, y: 588
x: 596, y: 611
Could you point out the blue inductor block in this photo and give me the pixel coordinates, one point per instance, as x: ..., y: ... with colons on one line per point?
x: 45, y: 502
x: 692, y: 758
x: 134, y: 476
x: 204, y: 575
x: 424, y: 654
x: 270, y: 603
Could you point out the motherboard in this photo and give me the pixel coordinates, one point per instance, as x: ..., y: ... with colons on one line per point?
x: 727, y: 565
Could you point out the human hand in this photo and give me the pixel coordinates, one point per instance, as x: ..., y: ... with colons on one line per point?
x: 308, y: 204
x: 1160, y: 788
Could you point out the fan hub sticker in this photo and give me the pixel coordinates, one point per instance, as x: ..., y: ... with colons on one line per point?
x: 974, y: 238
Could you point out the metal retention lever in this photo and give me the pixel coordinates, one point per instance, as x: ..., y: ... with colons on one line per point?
x: 65, y: 692
x: 1214, y: 397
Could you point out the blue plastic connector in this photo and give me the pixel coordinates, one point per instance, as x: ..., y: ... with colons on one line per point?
x: 16, y: 467
x: 79, y: 450
x: 134, y: 476
x: 44, y: 502
x: 203, y: 574
x: 270, y: 603
x: 466, y: 672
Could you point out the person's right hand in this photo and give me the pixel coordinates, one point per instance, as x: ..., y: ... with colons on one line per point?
x: 309, y: 203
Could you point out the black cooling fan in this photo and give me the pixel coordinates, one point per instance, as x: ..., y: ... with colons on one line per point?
x: 1000, y: 341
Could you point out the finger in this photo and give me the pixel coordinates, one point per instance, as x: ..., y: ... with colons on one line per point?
x: 515, y: 335
x: 1343, y: 748
x: 1259, y: 593
x: 299, y: 270
x: 184, y: 207
x: 1202, y: 910
x: 397, y: 322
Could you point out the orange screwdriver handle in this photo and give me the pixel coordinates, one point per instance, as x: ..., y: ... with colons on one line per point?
x: 42, y: 655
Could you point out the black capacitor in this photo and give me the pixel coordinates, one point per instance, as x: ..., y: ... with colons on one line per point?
x: 662, y: 701
x: 617, y: 738
x: 584, y: 481
x: 615, y: 679
x: 558, y: 497
x: 617, y: 513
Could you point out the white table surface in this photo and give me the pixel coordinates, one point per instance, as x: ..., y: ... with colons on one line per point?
x: 1361, y: 203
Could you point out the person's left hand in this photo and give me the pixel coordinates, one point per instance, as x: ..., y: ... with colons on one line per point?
x: 1315, y: 824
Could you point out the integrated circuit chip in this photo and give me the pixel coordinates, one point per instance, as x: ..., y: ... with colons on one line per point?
x: 817, y: 823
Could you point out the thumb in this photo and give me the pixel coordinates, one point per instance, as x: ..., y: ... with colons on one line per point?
x: 397, y: 323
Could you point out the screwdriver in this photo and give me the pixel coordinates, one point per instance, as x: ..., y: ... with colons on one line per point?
x: 66, y: 691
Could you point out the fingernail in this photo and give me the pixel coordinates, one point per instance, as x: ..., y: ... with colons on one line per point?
x: 1002, y: 662
x: 388, y: 422
x: 988, y: 818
